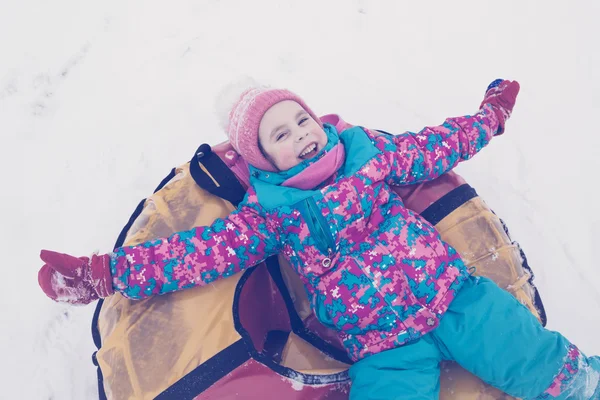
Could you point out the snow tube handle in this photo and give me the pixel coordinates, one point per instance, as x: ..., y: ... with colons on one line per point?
x: 213, y: 175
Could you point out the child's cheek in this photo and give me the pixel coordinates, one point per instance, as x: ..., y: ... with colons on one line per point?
x: 287, y: 157
x: 321, y: 135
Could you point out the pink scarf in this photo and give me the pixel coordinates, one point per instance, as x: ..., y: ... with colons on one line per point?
x: 316, y: 173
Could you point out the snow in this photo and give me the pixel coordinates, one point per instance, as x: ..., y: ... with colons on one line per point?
x: 65, y: 292
x: 99, y: 100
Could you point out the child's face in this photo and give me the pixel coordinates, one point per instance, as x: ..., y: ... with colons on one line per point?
x: 289, y: 135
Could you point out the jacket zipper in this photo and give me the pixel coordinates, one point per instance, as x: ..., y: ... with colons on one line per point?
x: 323, y: 235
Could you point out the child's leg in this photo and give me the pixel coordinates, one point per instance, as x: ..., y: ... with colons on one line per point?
x: 408, y: 372
x: 495, y: 337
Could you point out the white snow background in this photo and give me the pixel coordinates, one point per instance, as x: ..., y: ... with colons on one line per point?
x: 99, y: 100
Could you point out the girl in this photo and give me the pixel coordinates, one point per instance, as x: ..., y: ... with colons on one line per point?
x: 401, y: 299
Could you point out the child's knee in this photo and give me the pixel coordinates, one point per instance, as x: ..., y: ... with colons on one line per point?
x: 408, y: 372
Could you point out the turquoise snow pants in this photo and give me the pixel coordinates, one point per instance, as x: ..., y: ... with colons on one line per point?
x: 489, y: 333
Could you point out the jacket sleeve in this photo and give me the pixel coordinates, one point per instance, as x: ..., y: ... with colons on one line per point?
x: 423, y: 156
x: 196, y: 257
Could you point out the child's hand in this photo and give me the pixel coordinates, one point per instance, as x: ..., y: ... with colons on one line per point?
x: 501, y: 95
x: 75, y: 280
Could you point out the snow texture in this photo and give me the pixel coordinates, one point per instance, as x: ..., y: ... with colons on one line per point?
x: 66, y: 291
x: 99, y: 100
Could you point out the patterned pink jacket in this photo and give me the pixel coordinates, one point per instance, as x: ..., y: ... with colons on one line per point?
x: 375, y: 271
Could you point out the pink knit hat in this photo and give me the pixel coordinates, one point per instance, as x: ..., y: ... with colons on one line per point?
x: 245, y: 117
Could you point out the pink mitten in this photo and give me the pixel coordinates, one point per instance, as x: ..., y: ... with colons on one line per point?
x: 501, y: 95
x: 75, y: 280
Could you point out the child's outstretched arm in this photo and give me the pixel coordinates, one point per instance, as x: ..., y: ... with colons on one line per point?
x: 423, y: 156
x: 185, y: 259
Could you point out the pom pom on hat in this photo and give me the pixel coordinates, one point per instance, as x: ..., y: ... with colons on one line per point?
x: 230, y: 95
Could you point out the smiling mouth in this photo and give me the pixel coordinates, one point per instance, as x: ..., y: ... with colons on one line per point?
x: 309, y: 151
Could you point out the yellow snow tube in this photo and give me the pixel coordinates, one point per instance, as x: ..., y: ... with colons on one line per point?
x: 151, y: 346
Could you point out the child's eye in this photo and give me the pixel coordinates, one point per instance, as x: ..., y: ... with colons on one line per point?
x: 280, y: 136
x: 302, y: 121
